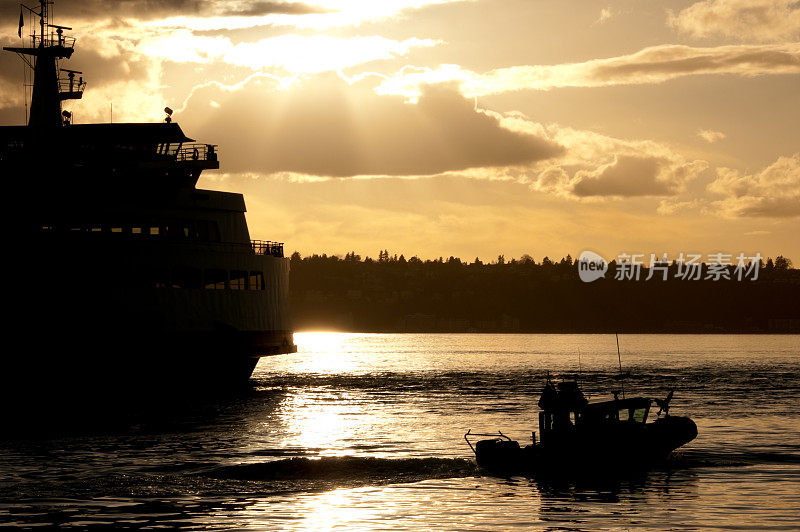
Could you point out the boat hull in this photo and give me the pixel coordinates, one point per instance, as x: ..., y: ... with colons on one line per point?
x: 627, y: 446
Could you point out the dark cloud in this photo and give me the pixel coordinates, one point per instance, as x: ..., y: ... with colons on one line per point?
x: 98, y: 69
x: 65, y: 10
x: 631, y: 175
x: 628, y: 176
x: 255, y: 9
x: 10, y: 64
x: 762, y: 207
x: 12, y: 116
x: 329, y: 128
x: 673, y: 60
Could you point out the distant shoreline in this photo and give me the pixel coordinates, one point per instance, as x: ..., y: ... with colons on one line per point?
x: 663, y: 333
x: 399, y: 296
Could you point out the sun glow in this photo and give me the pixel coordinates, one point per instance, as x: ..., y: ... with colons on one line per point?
x: 320, y: 342
x: 326, y: 352
x: 290, y: 52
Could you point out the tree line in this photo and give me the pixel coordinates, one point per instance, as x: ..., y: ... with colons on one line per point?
x: 394, y: 294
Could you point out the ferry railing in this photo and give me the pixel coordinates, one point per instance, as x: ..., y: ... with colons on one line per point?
x: 266, y: 247
x: 54, y: 39
x: 197, y: 152
x: 64, y: 85
x: 259, y: 247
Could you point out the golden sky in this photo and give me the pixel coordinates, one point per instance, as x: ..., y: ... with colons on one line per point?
x: 467, y: 127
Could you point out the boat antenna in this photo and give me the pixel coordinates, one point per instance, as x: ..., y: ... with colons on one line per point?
x: 619, y: 359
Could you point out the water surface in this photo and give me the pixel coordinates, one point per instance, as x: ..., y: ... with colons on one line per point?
x: 365, y: 431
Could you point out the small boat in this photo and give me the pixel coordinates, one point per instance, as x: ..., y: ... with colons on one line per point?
x: 581, y: 436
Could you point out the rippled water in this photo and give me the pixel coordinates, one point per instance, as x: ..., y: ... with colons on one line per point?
x: 365, y: 431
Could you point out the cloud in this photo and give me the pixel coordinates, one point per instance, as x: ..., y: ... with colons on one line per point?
x: 655, y: 64
x: 630, y: 176
x: 103, y: 9
x: 594, y: 167
x: 239, y: 14
x: 154, y: 9
x: 210, y: 15
x: 605, y: 16
x: 113, y: 72
x: 553, y: 180
x: 326, y: 127
x: 255, y: 9
x: 753, y: 20
x: 670, y: 206
x: 10, y: 76
x: 773, y: 192
x: 710, y: 136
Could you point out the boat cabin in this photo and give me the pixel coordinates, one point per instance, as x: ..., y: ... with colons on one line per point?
x: 565, y: 411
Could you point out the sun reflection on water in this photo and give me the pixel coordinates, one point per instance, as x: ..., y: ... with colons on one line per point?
x: 325, y: 421
x: 326, y: 352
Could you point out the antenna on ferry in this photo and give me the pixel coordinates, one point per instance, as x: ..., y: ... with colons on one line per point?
x: 619, y: 359
x: 169, y: 112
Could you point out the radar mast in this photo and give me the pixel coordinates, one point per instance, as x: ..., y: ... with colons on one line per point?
x: 46, y: 50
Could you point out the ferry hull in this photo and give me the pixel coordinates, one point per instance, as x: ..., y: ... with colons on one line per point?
x: 87, y: 320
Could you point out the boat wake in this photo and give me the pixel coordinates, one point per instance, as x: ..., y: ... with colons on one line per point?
x: 693, y: 459
x: 349, y: 470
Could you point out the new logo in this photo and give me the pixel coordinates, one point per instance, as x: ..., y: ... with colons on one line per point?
x: 591, y: 266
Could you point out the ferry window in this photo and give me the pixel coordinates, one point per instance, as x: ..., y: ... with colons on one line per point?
x: 639, y: 415
x: 573, y: 417
x: 155, y: 230
x: 187, y: 231
x: 623, y: 414
x: 96, y: 228
x: 256, y: 281
x: 47, y: 228
x: 215, y: 279
x: 238, y: 280
x: 136, y: 230
x: 186, y: 278
x: 116, y: 229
